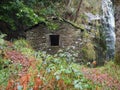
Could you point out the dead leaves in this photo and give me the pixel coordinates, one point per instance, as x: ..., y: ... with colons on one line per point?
x: 61, y: 85
x: 11, y: 85
x: 24, y: 80
x: 18, y: 58
x: 101, y: 78
x: 38, y: 83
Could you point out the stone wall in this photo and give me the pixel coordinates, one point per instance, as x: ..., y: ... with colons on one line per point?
x: 69, y: 37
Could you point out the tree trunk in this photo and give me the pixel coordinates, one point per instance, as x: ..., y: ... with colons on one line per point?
x: 78, y: 9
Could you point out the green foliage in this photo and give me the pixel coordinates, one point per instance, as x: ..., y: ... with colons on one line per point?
x: 60, y: 69
x: 21, y: 13
x: 2, y: 42
x: 69, y: 54
x: 88, y: 47
x: 59, y: 66
x: 89, y: 51
x: 23, y: 46
x: 15, y: 13
x: 52, y: 26
x: 53, y: 70
x: 7, y: 70
x: 21, y: 43
x: 27, y: 15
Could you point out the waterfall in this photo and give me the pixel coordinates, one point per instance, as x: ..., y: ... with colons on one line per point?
x: 108, y: 23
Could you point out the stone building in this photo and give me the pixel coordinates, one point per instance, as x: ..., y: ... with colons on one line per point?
x: 41, y: 38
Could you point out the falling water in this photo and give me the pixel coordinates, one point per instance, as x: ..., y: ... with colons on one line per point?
x: 108, y: 22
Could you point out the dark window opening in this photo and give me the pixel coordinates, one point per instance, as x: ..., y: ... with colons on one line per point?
x: 54, y: 40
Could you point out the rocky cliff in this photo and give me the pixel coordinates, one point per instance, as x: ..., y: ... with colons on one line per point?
x: 117, y: 30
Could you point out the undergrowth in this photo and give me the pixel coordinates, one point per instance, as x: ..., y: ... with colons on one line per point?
x: 112, y: 69
x: 22, y: 68
x: 25, y: 69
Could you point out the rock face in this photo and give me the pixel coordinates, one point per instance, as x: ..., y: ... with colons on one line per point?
x: 116, y: 2
x: 117, y: 20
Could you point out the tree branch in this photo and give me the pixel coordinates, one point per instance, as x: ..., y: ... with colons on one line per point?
x: 77, y: 12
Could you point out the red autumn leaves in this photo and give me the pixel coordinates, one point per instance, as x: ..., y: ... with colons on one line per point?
x: 18, y: 58
x: 100, y: 78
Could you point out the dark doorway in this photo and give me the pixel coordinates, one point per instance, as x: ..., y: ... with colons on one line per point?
x: 54, y: 40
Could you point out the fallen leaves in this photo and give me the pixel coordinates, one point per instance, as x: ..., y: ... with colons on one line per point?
x: 10, y: 85
x: 31, y: 73
x: 101, y: 78
x: 38, y: 83
x: 24, y: 80
x: 18, y: 58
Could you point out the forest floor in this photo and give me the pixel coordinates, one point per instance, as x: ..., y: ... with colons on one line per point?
x: 24, y: 69
x: 102, y: 76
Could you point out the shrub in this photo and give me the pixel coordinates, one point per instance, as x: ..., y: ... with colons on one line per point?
x: 88, y: 50
x: 24, y: 47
